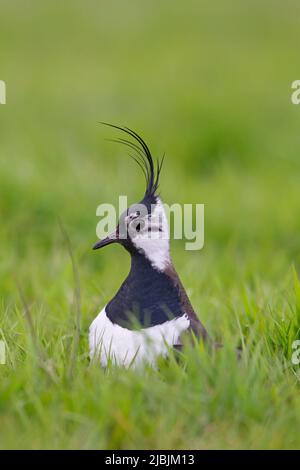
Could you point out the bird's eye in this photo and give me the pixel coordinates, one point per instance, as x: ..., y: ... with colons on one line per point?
x: 137, y: 213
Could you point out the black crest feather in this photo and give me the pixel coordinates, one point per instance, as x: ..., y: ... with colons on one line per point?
x: 142, y: 156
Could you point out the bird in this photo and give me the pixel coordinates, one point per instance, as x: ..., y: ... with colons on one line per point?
x: 151, y: 311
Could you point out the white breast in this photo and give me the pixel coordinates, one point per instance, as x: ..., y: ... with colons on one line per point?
x: 124, y: 347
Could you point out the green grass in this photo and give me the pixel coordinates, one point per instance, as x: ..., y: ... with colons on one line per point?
x: 211, y: 88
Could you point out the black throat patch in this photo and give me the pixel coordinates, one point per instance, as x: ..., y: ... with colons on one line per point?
x: 146, y: 298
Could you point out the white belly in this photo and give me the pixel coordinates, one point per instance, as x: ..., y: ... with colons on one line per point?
x: 123, y: 347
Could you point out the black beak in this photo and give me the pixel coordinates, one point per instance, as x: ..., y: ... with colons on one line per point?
x: 112, y: 238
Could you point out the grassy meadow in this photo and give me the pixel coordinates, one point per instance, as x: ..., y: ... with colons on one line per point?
x: 209, y: 85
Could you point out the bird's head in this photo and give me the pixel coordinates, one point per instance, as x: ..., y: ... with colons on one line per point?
x: 143, y: 227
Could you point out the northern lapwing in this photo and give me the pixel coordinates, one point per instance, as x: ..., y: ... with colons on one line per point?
x: 150, y: 312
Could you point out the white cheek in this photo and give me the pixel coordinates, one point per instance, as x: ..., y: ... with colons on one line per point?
x: 155, y: 244
x: 156, y: 250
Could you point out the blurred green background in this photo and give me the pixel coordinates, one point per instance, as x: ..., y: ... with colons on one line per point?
x: 209, y: 84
